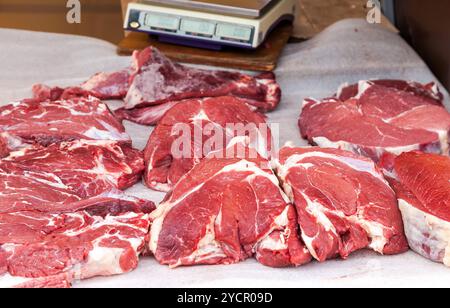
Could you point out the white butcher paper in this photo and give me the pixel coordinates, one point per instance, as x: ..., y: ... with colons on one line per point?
x: 348, y: 51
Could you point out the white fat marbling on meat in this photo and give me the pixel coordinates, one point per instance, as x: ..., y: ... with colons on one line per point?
x: 207, y: 247
x: 356, y: 164
x: 426, y: 230
x: 272, y: 244
x: 363, y: 86
x: 105, y: 261
x: 323, y: 142
x: 109, y: 134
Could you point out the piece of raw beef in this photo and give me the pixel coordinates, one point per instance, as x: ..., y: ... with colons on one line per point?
x: 157, y: 80
x: 54, y: 249
x: 103, y: 86
x: 343, y: 202
x: 191, y: 130
x: 48, y: 122
x: 224, y: 211
x: 153, y: 83
x: 429, y: 91
x: 55, y: 176
x: 423, y: 191
x: 381, y: 120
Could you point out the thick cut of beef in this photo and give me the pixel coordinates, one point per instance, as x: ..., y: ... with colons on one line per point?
x: 156, y: 80
x: 39, y: 249
x: 153, y: 84
x: 49, y: 122
x: 224, y: 211
x: 424, y: 199
x: 343, y: 202
x: 195, y: 128
x: 23, y: 190
x: 429, y: 91
x: 54, y: 176
x: 102, y: 86
x: 381, y: 121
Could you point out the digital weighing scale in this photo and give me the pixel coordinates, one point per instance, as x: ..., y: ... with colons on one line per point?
x: 210, y: 24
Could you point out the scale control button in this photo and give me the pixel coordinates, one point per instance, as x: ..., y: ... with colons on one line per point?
x: 135, y: 25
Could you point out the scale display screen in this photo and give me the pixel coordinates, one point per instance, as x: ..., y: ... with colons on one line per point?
x: 163, y: 22
x: 234, y: 32
x: 198, y: 27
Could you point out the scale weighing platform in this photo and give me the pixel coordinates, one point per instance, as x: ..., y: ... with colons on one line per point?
x: 210, y: 24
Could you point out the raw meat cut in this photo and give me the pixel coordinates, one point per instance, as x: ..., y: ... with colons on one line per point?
x: 53, y: 249
x: 49, y: 122
x: 343, y: 202
x: 209, y: 125
x: 383, y: 120
x: 225, y: 211
x: 150, y: 115
x: 157, y: 80
x: 43, y: 93
x: 32, y: 191
x: 88, y: 167
x: 153, y: 84
x: 63, y: 217
x: 424, y: 199
x: 428, y: 91
x: 108, y: 85
x: 103, y: 86
x: 37, y: 177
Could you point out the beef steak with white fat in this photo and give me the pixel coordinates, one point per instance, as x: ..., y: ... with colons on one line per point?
x: 153, y: 84
x: 381, y: 120
x: 50, y: 122
x: 63, y: 216
x: 210, y: 126
x: 54, y: 249
x: 225, y: 211
x: 53, y: 177
x: 343, y: 202
x: 427, y: 91
x: 157, y: 80
x: 423, y: 191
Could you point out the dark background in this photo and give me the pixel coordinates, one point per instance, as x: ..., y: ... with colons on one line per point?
x: 425, y: 24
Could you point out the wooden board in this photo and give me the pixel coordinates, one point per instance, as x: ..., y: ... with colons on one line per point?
x: 264, y: 58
